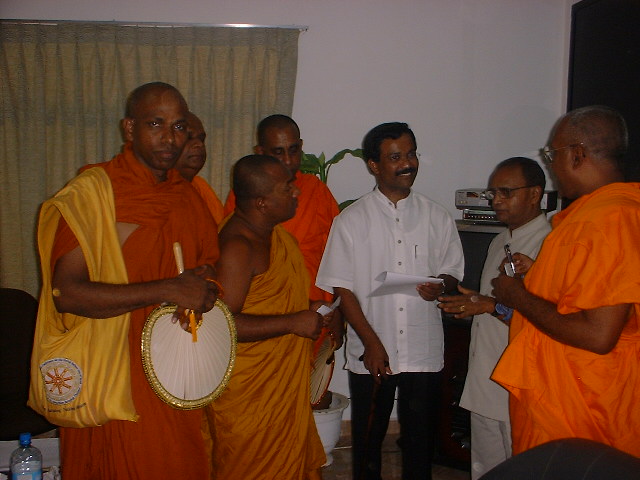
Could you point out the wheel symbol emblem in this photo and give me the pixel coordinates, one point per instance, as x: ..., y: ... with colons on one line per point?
x: 62, y: 380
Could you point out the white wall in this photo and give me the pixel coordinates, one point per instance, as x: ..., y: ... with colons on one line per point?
x: 477, y: 80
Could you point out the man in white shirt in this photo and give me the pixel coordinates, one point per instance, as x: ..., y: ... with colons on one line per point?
x: 515, y: 188
x: 394, y: 341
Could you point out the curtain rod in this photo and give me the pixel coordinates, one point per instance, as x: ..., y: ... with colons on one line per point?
x: 302, y: 28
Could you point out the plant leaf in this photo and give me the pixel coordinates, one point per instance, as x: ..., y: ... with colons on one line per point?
x: 320, y: 166
x: 310, y: 164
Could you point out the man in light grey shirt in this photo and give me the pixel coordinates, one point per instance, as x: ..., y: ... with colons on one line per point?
x: 516, y: 187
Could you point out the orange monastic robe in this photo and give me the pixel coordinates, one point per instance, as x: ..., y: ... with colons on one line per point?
x: 164, y: 442
x: 210, y: 198
x: 310, y: 225
x: 589, y: 260
x: 263, y: 424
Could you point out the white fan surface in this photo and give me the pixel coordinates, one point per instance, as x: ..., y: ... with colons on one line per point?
x: 191, y: 370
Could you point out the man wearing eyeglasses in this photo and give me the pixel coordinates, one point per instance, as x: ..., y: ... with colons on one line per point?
x: 394, y: 341
x: 515, y: 189
x: 572, y: 362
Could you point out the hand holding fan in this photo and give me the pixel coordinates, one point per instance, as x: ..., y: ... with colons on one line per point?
x: 186, y: 371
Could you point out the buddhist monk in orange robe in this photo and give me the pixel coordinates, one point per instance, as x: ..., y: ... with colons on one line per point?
x: 572, y: 362
x: 263, y: 427
x: 154, y: 207
x: 191, y: 161
x: 279, y: 136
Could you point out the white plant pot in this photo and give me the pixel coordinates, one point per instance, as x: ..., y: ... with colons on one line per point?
x: 328, y: 423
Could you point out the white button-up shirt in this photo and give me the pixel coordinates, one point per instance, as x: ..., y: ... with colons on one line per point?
x: 417, y: 236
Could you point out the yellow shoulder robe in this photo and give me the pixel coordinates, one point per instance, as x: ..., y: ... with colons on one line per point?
x: 87, y: 205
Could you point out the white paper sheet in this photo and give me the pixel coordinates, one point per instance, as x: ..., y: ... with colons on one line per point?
x: 401, y: 283
x: 324, y: 310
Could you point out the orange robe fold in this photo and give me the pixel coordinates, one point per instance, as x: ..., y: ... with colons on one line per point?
x: 310, y: 226
x: 589, y: 260
x: 263, y: 423
x: 210, y: 198
x: 163, y: 440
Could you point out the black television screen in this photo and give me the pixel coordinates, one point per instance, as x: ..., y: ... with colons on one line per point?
x: 474, y: 245
x: 604, y: 64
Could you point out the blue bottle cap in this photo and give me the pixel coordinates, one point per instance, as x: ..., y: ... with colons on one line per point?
x: 25, y: 439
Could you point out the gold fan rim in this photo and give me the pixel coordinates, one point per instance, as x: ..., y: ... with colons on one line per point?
x: 147, y: 361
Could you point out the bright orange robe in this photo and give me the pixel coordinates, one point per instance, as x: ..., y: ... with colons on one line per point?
x: 310, y: 225
x: 210, y: 198
x: 164, y: 442
x: 263, y: 424
x: 589, y: 260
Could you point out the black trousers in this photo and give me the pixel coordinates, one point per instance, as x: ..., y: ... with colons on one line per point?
x: 418, y: 398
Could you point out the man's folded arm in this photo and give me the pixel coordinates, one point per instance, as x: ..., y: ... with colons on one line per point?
x: 236, y: 269
x: 74, y: 292
x: 596, y: 330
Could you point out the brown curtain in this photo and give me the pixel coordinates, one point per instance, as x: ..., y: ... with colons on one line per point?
x: 63, y: 87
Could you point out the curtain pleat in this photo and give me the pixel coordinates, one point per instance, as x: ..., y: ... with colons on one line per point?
x: 63, y: 88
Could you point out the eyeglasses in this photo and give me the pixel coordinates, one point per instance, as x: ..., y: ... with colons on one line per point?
x: 548, y: 153
x: 502, y: 192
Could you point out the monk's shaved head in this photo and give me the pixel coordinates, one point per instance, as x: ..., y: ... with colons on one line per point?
x: 194, y: 124
x: 144, y: 92
x: 602, y: 129
x: 252, y: 178
x: 278, y: 122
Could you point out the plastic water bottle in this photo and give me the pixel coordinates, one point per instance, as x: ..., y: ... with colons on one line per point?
x: 26, y: 460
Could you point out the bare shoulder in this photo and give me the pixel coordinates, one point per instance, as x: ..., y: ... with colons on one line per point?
x: 234, y: 242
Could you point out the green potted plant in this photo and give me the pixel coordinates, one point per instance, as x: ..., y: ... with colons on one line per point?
x: 320, y: 166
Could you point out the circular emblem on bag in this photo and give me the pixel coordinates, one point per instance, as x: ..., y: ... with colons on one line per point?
x: 62, y: 380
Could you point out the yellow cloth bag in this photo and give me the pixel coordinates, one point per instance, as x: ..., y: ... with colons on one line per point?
x: 80, y: 372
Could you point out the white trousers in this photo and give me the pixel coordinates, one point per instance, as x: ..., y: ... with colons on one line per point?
x: 490, y: 444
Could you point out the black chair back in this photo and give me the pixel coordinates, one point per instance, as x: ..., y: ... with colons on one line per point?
x: 18, y: 311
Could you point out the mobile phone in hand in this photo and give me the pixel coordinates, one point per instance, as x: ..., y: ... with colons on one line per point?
x: 509, y: 267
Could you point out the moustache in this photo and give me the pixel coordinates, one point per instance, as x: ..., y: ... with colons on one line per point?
x: 406, y: 170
